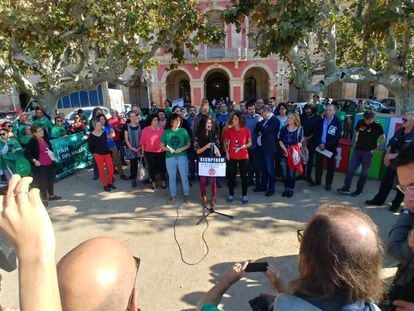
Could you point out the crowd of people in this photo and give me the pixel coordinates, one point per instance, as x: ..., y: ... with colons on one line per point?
x: 262, y: 143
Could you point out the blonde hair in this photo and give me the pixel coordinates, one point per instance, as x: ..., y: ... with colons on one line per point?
x: 295, y: 117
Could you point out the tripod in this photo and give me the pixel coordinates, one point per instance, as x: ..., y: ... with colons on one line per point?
x: 211, y: 210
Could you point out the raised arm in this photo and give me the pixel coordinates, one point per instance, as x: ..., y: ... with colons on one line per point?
x: 24, y: 220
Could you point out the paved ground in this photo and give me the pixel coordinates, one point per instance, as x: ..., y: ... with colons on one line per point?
x: 264, y: 230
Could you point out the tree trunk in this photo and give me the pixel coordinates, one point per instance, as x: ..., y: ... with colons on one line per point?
x: 49, y: 102
x: 404, y: 100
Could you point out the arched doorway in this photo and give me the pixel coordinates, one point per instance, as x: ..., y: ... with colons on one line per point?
x: 217, y: 85
x: 256, y: 83
x: 178, y: 86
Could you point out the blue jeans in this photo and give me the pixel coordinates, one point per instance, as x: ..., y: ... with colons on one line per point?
x: 181, y: 163
x: 289, y: 175
x: 362, y: 158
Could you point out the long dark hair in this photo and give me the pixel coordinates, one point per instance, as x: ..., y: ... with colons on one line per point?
x: 335, y: 263
x: 202, y: 135
x: 100, y: 116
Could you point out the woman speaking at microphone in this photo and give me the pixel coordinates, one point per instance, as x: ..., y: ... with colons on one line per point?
x: 206, y: 144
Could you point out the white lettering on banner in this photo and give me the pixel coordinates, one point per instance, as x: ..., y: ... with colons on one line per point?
x: 212, y: 167
x: 338, y: 156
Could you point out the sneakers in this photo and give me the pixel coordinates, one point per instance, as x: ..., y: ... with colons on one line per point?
x: 344, y: 191
x: 230, y: 199
x: 107, y: 188
x: 123, y: 177
x: 393, y: 208
x: 171, y: 198
x: 187, y: 199
x: 244, y: 200
x: 112, y: 186
x: 373, y: 202
x: 355, y: 193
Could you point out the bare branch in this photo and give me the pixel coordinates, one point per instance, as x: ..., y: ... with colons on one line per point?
x: 17, y: 54
x: 137, y: 72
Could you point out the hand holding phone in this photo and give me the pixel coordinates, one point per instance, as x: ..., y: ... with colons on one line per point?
x: 256, y: 267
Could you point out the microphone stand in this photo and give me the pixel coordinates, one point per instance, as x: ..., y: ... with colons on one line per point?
x: 211, y: 210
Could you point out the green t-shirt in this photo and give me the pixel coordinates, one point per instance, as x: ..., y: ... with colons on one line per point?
x: 45, y: 122
x: 174, y: 140
x: 57, y: 131
x: 168, y: 111
x: 209, y: 307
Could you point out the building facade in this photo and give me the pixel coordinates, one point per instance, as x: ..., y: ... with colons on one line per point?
x: 229, y: 69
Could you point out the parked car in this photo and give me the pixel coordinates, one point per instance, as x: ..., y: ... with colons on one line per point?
x: 389, y: 102
x: 87, y: 111
x: 377, y: 106
x: 349, y: 106
x: 8, y: 116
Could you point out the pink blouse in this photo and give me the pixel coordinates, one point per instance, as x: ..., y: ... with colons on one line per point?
x: 151, y: 139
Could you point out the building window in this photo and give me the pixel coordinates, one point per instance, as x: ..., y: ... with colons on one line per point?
x: 252, y: 34
x: 184, y: 87
x: 250, y: 88
x: 216, y: 50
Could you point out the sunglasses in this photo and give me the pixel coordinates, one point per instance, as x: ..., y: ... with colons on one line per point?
x: 404, y: 119
x: 3, y: 134
x: 299, y: 234
x: 137, y: 264
x: 405, y: 189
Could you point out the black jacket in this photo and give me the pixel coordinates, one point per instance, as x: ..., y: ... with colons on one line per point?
x: 32, y: 149
x: 333, y: 134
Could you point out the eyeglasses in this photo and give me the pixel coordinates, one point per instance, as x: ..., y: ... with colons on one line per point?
x: 299, y: 234
x: 137, y: 264
x: 404, y: 120
x: 405, y: 189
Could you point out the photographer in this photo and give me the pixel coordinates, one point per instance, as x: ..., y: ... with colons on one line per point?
x: 346, y: 277
x: 401, y: 237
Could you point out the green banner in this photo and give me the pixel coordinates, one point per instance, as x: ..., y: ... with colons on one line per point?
x: 71, y: 153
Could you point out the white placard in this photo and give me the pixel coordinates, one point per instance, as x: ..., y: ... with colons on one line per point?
x: 325, y: 152
x: 178, y: 102
x: 212, y: 167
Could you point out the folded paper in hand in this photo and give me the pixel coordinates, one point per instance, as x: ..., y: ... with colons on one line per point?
x: 325, y: 152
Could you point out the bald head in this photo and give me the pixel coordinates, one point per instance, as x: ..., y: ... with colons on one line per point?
x: 98, y: 274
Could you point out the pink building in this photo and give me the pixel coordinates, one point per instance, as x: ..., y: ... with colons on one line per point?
x: 230, y: 69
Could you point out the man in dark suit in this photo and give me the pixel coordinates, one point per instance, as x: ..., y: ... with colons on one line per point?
x: 327, y: 138
x: 267, y: 131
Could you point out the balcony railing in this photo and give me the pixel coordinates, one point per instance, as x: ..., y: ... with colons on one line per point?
x: 208, y: 53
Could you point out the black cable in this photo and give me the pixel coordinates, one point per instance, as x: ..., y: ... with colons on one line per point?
x: 179, y: 246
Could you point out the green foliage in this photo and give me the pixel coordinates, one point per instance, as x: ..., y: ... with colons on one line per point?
x: 362, y: 28
x: 65, y: 40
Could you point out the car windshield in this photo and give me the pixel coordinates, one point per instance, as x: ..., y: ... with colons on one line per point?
x: 8, y: 116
